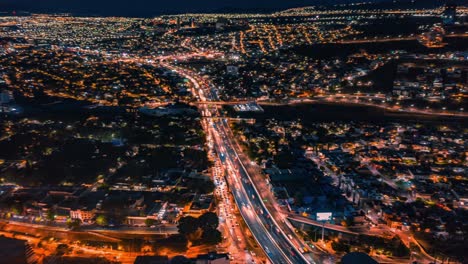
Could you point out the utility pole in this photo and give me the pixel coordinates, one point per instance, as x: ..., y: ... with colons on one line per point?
x: 323, y: 231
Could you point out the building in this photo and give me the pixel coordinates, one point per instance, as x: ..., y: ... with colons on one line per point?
x: 201, y: 203
x: 84, y: 215
x: 16, y: 251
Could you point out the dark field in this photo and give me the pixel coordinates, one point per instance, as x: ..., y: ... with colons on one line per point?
x: 310, y: 113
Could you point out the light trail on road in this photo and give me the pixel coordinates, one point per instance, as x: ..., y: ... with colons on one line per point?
x: 265, y: 230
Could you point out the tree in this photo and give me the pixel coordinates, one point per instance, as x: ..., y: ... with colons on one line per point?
x: 202, y: 229
x: 321, y: 132
x: 284, y: 159
x: 340, y: 247
x: 200, y: 186
x: 101, y: 220
x: 211, y: 236
x: 163, y: 157
x: 196, y: 236
x: 176, y: 243
x: 401, y: 250
x: 188, y: 225
x: 149, y: 222
x: 298, y: 199
x: 73, y: 223
x: 349, y: 221
x: 62, y: 249
x: 50, y: 215
x: 16, y: 209
x: 452, y: 226
x: 196, y: 159
x: 208, y: 220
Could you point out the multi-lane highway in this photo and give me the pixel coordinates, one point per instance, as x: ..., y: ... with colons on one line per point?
x: 270, y: 237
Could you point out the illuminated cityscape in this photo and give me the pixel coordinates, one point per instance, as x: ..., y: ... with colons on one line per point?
x: 329, y: 133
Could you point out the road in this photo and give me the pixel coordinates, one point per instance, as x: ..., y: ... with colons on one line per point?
x: 235, y: 240
x: 308, y: 221
x: 371, y: 100
x: 263, y: 226
x: 158, y: 230
x: 279, y: 214
x: 269, y: 236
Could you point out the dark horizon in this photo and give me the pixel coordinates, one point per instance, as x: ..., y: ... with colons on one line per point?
x: 140, y: 8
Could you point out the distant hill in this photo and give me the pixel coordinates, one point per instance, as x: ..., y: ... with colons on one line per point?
x: 144, y: 8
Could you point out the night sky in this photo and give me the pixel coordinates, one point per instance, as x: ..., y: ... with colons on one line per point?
x: 152, y: 7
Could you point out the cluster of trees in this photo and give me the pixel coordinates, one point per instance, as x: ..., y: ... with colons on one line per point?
x: 62, y: 249
x: 175, y: 243
x: 102, y: 220
x: 201, y: 230
x: 196, y: 159
x: 199, y: 186
x: 73, y: 224
x: 392, y: 247
x: 166, y: 130
x: 284, y: 159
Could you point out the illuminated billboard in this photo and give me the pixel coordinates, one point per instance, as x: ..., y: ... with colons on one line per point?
x: 324, y: 216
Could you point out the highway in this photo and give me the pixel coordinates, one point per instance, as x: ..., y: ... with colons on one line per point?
x: 253, y: 211
x: 269, y: 236
x: 236, y: 240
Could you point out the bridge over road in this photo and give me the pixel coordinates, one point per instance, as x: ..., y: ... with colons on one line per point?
x: 336, y: 228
